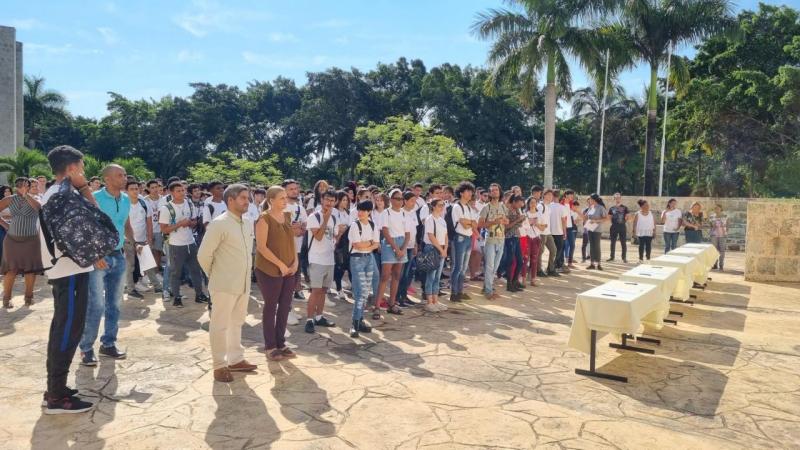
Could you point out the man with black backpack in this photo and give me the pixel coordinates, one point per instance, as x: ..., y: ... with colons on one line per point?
x: 461, y: 220
x: 70, y: 284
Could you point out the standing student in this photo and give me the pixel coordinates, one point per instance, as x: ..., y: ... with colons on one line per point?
x: 323, y: 232
x: 493, y: 218
x: 409, y: 268
x: 595, y: 215
x: 534, y: 239
x: 544, y: 219
x: 153, y: 202
x: 619, y: 218
x: 142, y: 228
x: 571, y: 229
x: 558, y: 229
x: 465, y: 219
x: 364, y: 238
x: 342, y: 212
x: 393, y: 251
x: 719, y: 234
x: 225, y: 255
x: 435, y: 240
x: 514, y: 262
x: 672, y: 217
x: 214, y: 206
x: 106, y: 285
x: 380, y: 200
x: 177, y: 219
x: 644, y: 227
x: 572, y: 233
x: 299, y: 219
x: 277, y: 264
x: 693, y: 224
x: 21, y: 254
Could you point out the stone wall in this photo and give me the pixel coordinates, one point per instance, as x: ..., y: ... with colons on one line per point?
x: 734, y: 208
x: 773, y: 241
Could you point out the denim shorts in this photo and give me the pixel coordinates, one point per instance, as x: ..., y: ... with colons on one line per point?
x: 387, y: 254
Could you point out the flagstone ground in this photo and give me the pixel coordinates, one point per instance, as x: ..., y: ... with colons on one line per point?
x: 482, y: 375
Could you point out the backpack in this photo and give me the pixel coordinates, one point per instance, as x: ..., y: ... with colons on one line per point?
x: 78, y: 228
x: 420, y: 229
x: 343, y: 249
x: 448, y: 219
x: 319, y: 219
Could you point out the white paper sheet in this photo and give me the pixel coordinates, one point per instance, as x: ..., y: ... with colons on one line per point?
x: 146, y: 260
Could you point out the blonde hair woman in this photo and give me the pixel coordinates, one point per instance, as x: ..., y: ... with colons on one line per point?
x: 276, y: 271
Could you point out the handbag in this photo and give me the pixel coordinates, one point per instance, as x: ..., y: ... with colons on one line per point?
x: 429, y: 260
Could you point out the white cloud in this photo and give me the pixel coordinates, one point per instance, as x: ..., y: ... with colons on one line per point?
x: 109, y: 35
x: 48, y: 49
x: 282, y: 37
x: 25, y: 24
x: 207, y: 16
x: 283, y: 62
x: 190, y: 56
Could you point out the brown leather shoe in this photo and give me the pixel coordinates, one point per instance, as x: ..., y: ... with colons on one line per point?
x: 243, y: 366
x: 223, y: 375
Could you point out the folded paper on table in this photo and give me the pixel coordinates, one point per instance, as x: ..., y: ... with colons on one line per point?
x: 146, y: 260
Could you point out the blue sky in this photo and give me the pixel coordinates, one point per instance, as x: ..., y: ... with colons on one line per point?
x: 149, y: 48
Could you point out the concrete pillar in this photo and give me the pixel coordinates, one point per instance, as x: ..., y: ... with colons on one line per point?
x: 20, y: 103
x: 8, y: 90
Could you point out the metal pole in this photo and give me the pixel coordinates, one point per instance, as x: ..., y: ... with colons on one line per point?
x: 664, y: 133
x: 602, y: 127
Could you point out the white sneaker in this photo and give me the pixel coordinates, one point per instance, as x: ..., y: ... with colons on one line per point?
x: 160, y: 279
x: 293, y: 319
x: 329, y: 303
x: 141, y: 286
x: 287, y: 334
x: 441, y: 306
x: 430, y: 307
x: 341, y: 295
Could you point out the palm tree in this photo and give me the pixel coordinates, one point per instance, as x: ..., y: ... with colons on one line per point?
x: 587, y: 103
x: 38, y: 104
x: 644, y: 32
x: 23, y: 163
x: 539, y: 36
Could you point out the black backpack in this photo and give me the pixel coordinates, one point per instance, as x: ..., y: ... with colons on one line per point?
x: 448, y: 219
x: 420, y: 229
x: 342, y: 252
x: 79, y: 229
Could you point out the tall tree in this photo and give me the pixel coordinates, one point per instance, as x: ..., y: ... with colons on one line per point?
x: 645, y: 31
x: 23, y: 163
x: 39, y: 104
x: 540, y: 36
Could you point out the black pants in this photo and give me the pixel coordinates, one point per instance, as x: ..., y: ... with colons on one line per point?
x: 594, y: 246
x: 618, y: 230
x: 70, y: 297
x: 559, y: 240
x: 645, y: 244
x: 181, y: 256
x: 584, y: 245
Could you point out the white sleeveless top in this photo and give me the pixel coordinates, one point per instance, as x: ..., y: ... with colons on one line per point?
x: 645, y: 225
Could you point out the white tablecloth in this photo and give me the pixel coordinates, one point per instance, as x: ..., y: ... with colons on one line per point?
x: 690, y: 269
x: 710, y: 253
x: 701, y: 256
x: 615, y: 307
x: 665, y: 277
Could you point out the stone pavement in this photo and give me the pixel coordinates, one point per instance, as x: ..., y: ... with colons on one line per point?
x: 482, y: 375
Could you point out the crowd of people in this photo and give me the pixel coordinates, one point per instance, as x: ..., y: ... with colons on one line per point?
x: 392, y: 249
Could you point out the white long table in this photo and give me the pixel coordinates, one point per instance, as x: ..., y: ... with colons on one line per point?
x: 689, y: 267
x: 709, y: 254
x: 619, y: 307
x: 666, y: 278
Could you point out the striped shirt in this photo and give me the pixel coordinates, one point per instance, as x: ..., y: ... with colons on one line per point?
x: 24, y: 218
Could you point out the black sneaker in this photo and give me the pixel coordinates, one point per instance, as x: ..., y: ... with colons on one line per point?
x: 610, y: 259
x: 135, y: 294
x: 553, y: 274
x: 70, y: 393
x: 323, y: 322
x: 177, y: 302
x: 201, y: 298
x: 541, y: 274
x: 88, y: 359
x: 412, y: 302
x: 299, y: 295
x: 158, y: 291
x: 112, y: 352
x: 310, y: 326
x: 67, y: 405
x: 403, y: 303
x: 363, y: 327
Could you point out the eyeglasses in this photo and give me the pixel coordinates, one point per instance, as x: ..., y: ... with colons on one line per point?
x: 397, y: 198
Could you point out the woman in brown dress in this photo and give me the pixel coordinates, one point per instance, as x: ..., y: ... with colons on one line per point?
x: 21, y: 252
x: 276, y: 271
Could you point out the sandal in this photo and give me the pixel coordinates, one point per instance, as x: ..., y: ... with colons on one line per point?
x: 275, y: 355
x: 288, y: 353
x: 394, y: 309
x: 376, y: 314
x: 7, y: 303
x: 28, y: 300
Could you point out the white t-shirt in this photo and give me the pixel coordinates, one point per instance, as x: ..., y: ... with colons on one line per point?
x: 440, y: 230
x: 153, y: 206
x: 299, y: 215
x: 321, y: 251
x: 533, y: 231
x: 424, y: 212
x: 368, y: 233
x: 252, y: 213
x: 219, y: 208
x: 343, y: 217
x: 411, y: 227
x: 645, y: 225
x: 672, y: 220
x: 138, y: 218
x: 182, y: 235
x: 556, y: 213
x: 420, y: 202
x: 377, y: 218
x: 65, y: 266
x: 543, y: 218
x: 568, y: 214
x: 395, y: 221
x: 461, y: 211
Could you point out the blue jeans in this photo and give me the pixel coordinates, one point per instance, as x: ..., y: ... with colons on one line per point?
x: 105, y: 296
x: 408, y: 274
x: 362, y: 270
x: 376, y: 272
x: 463, y: 246
x: 492, y: 254
x: 670, y: 241
x: 569, y: 245
x: 693, y: 236
x: 514, y: 255
x: 432, y: 278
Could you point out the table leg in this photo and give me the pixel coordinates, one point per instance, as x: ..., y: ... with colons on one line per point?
x: 592, y: 372
x: 676, y: 313
x: 624, y: 346
x: 675, y: 300
x: 670, y: 321
x: 693, y: 296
